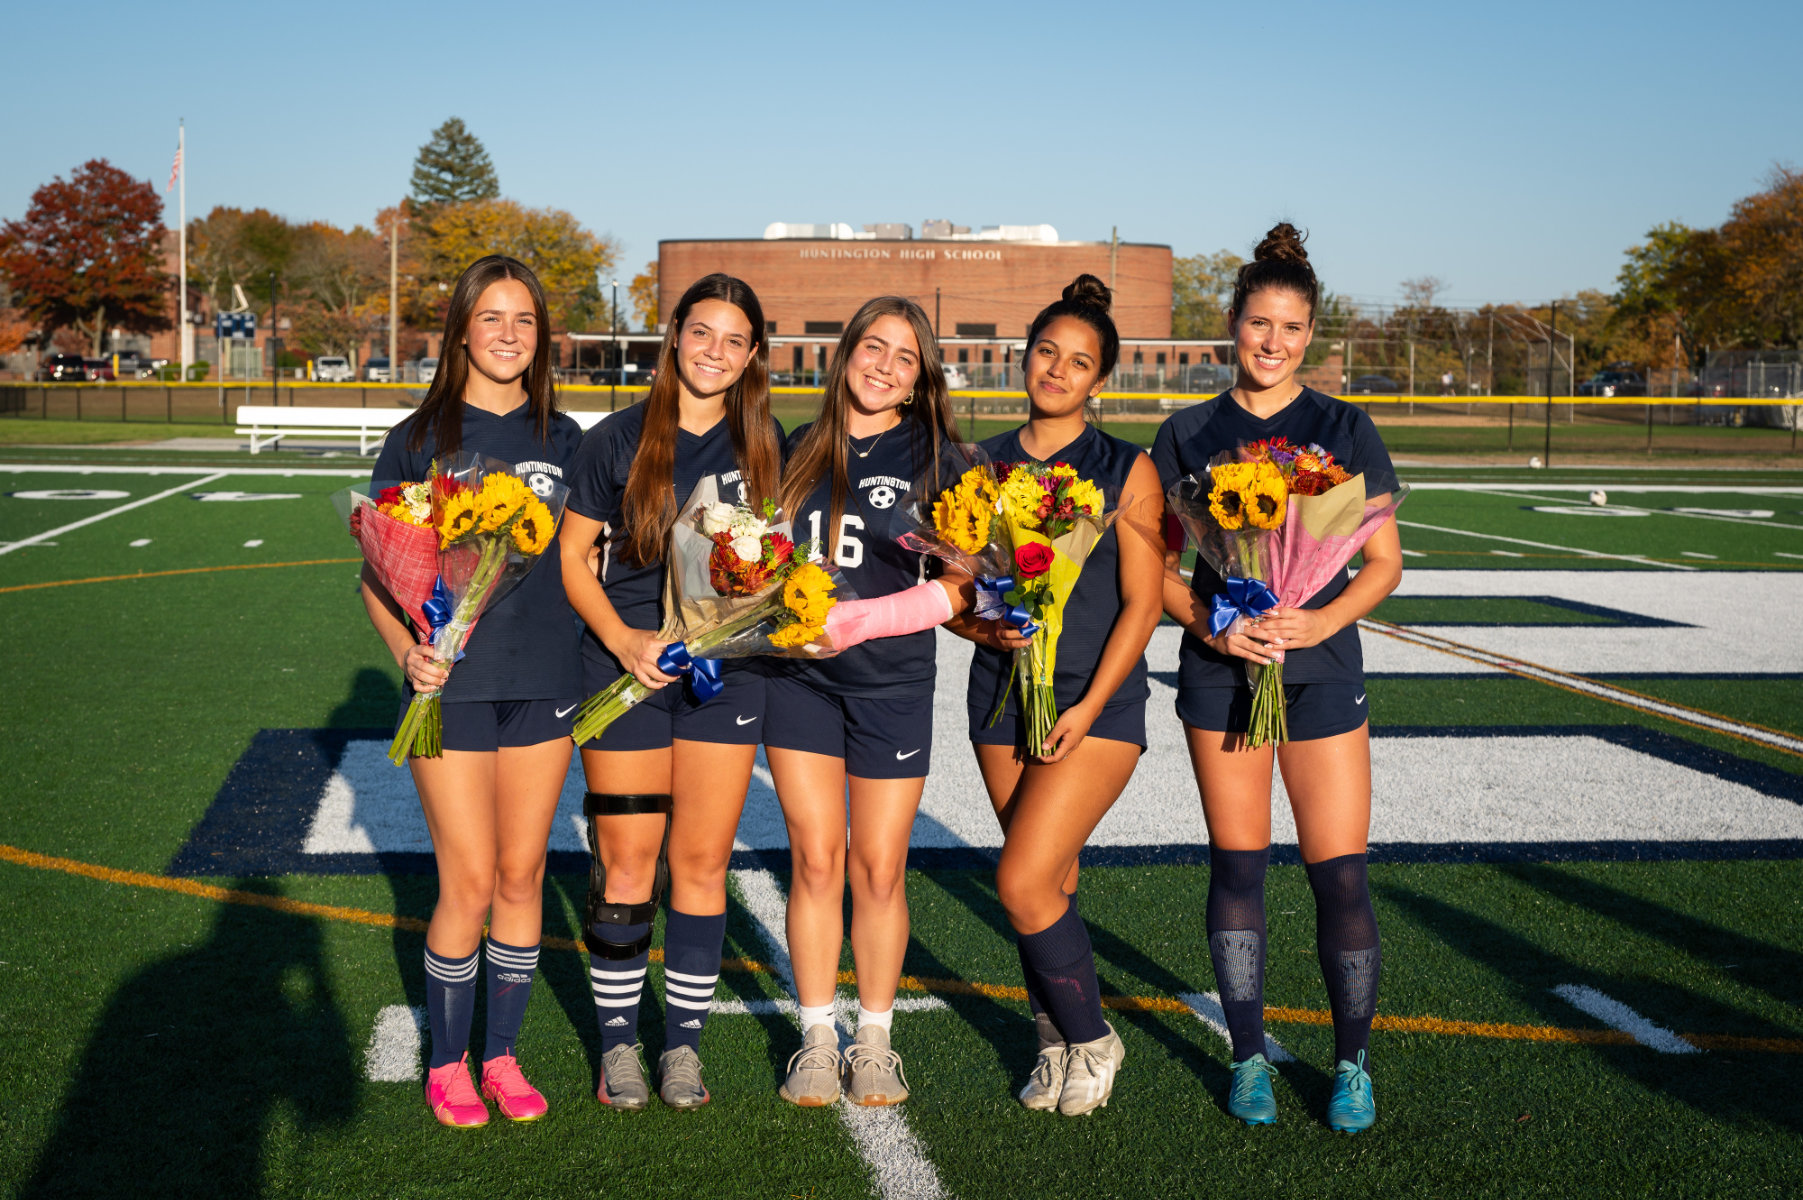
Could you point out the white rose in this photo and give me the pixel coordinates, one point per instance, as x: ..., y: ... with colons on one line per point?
x: 716, y: 518
x: 749, y: 549
x: 749, y: 526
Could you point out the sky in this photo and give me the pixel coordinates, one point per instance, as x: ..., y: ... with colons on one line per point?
x: 1512, y: 151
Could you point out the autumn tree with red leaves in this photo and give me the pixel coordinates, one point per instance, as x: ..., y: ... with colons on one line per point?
x: 87, y: 254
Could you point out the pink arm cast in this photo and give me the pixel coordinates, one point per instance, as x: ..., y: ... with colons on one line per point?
x: 920, y: 607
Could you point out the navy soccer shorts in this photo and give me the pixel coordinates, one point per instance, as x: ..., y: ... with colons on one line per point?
x: 1315, y: 710
x: 735, y: 717
x: 489, y: 725
x: 878, y: 737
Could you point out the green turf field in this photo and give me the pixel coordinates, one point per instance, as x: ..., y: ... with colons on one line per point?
x: 217, y: 1040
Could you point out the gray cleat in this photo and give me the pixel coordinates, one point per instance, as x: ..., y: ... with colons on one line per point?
x: 623, y: 1083
x: 1089, y: 1071
x: 679, y: 1078
x: 873, y: 1071
x: 814, y: 1069
x: 1046, y: 1083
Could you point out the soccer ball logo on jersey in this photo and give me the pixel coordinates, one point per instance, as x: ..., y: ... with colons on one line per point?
x: 882, y: 497
x: 540, y: 483
x: 541, y: 477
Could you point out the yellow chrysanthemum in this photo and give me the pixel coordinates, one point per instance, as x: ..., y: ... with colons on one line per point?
x: 532, y: 532
x: 1227, y: 506
x: 1063, y: 470
x: 1021, y: 496
x: 458, y: 519
x: 1265, y: 503
x: 1087, y: 496
x: 808, y: 594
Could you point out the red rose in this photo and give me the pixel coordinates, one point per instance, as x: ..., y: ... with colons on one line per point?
x: 391, y: 495
x: 1033, y: 560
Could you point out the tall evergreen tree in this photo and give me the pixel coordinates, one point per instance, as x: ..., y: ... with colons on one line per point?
x: 453, y: 168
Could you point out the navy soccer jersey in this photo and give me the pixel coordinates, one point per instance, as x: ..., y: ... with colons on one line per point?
x: 598, y: 491
x: 888, y: 474
x: 524, y: 648
x: 1184, y: 445
x: 1095, y: 602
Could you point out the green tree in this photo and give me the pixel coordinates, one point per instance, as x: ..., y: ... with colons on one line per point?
x: 1201, y: 286
x: 453, y: 168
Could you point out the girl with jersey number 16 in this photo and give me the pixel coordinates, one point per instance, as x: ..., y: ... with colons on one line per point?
x: 861, y: 723
x: 1326, y: 763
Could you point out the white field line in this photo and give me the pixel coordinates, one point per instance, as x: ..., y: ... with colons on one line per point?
x: 1616, y: 1015
x: 1497, y: 537
x: 394, y: 1045
x: 847, y: 1006
x: 1590, y: 687
x: 898, y: 1162
x: 1782, y: 554
x: 1652, y: 512
x: 1207, y: 1007
x: 113, y: 512
x: 110, y: 469
x: 1685, y: 489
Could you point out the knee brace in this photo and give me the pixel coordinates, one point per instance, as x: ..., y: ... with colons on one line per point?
x: 599, y: 912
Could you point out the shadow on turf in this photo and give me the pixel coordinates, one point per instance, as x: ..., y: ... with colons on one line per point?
x: 177, y: 1090
x: 1721, y: 1085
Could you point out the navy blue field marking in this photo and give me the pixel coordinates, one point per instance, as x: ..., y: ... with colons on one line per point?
x: 1606, y: 618
x: 258, y: 822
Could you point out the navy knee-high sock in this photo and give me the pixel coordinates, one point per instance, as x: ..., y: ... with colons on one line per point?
x: 691, y: 969
x: 1062, y: 967
x: 450, y: 1005
x: 617, y: 983
x: 1346, y: 941
x: 510, y: 971
x: 1236, y: 943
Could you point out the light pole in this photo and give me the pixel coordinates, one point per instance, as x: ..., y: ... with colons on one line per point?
x: 394, y: 294
x: 613, y: 392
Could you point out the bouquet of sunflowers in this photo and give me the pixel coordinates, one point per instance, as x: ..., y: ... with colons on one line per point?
x: 736, y: 586
x: 1023, y: 532
x: 474, y: 529
x: 1276, y: 522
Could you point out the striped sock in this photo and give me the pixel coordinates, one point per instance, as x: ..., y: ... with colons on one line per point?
x: 510, y: 970
x: 450, y: 1004
x: 617, y: 984
x: 692, y: 948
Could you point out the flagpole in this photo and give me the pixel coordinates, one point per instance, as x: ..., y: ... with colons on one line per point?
x: 186, y: 333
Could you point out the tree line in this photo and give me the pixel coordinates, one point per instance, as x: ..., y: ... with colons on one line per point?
x: 89, y: 256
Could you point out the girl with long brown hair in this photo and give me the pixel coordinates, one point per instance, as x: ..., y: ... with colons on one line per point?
x: 667, y: 781
x: 490, y: 796
x: 1049, y: 805
x: 1326, y: 764
x: 849, y: 738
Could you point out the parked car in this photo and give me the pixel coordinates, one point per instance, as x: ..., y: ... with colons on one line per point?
x: 333, y: 368
x: 99, y: 370
x: 1374, y: 385
x: 62, y: 368
x: 626, y: 376
x: 133, y: 365
x: 376, y: 371
x: 428, y: 370
x: 1613, y: 382
x: 955, y: 377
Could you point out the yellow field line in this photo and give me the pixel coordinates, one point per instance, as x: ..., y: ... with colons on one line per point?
x: 306, y: 562
x: 911, y: 983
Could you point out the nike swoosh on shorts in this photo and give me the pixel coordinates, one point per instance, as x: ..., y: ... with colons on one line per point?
x: 900, y: 757
x: 743, y: 720
x: 1361, y: 698
x: 564, y: 712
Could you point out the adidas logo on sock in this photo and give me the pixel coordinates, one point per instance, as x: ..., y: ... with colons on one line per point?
x: 617, y: 1021
x: 692, y: 1023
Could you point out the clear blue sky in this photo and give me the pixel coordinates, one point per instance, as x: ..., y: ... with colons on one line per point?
x: 1513, y: 151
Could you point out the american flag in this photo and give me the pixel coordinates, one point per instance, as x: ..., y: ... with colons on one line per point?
x: 175, y: 169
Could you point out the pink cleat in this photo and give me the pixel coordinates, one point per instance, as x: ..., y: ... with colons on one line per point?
x: 453, y: 1098
x: 503, y: 1083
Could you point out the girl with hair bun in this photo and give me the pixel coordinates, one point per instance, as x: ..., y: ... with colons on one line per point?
x: 1049, y: 806
x: 667, y: 780
x: 1326, y: 764
x: 489, y: 798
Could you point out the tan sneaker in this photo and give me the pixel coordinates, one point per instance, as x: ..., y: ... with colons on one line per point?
x: 814, y: 1069
x: 679, y: 1078
x: 1089, y: 1071
x: 874, y: 1071
x: 1046, y: 1082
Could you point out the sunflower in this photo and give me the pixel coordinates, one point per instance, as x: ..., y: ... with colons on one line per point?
x: 962, y: 515
x: 1265, y: 501
x: 457, y: 518
x: 532, y: 532
x: 500, y: 497
x: 1227, y: 505
x: 808, y: 594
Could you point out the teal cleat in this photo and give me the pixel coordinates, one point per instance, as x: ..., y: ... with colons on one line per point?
x: 1251, y: 1099
x: 1352, y: 1108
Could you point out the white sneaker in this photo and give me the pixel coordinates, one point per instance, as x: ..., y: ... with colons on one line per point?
x: 873, y: 1071
x: 1089, y: 1071
x: 814, y: 1069
x: 1047, y: 1080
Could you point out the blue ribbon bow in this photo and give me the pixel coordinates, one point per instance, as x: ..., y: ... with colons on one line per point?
x: 437, y: 611
x: 704, y: 673
x: 1248, y: 598
x: 992, y: 606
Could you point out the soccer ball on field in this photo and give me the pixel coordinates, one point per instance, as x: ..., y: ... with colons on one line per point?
x: 1599, y: 497
x: 1534, y: 461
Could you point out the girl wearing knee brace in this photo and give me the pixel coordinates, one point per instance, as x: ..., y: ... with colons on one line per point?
x: 1049, y: 805
x: 667, y: 781
x: 490, y: 796
x: 849, y: 738
x: 1326, y: 764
